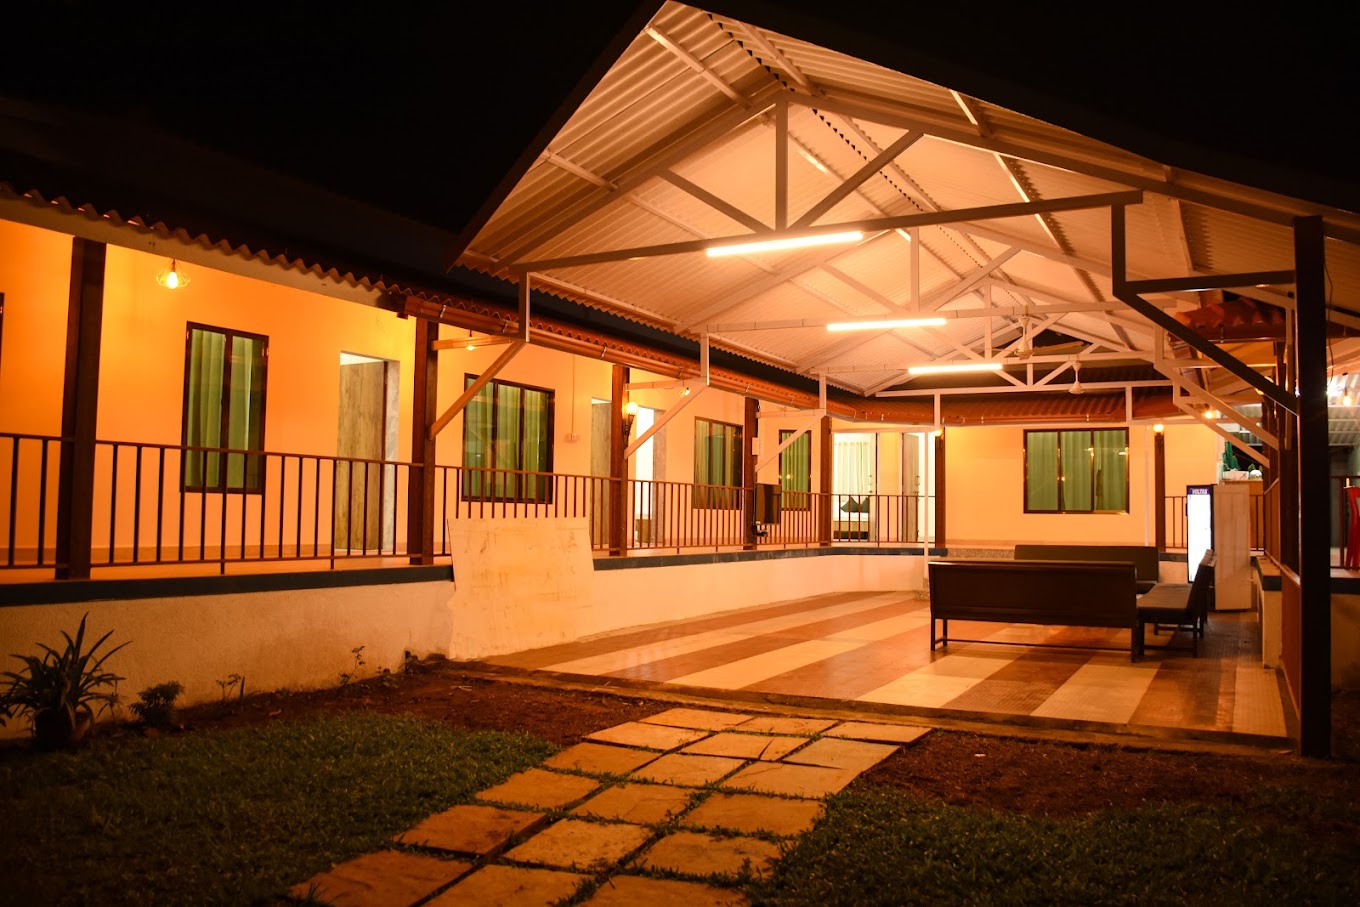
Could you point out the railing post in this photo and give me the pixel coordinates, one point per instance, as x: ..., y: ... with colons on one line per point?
x: 420, y: 478
x: 750, y: 431
x: 939, y: 490
x: 824, y: 474
x: 1159, y: 488
x: 618, y: 465
x: 79, y: 409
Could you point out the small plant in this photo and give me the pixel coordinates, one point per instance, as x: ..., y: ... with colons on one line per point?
x: 155, y: 706
x: 347, y: 676
x: 63, y: 691
x: 232, y: 682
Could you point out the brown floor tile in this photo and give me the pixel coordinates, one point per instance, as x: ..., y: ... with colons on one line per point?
x: 809, y: 781
x: 745, y: 746
x: 576, y: 844
x: 752, y: 813
x: 779, y: 724
x: 631, y: 891
x: 521, y: 886
x: 647, y: 736
x: 878, y: 733
x: 698, y: 719
x: 600, y: 759
x: 694, y: 853
x: 387, y: 878
x: 470, y: 828
x: 640, y: 804
x: 690, y: 771
x: 540, y: 789
x: 831, y: 752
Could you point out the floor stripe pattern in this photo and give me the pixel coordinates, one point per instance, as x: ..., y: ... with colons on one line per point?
x: 875, y: 648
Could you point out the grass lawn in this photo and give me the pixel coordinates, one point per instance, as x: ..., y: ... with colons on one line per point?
x: 237, y: 816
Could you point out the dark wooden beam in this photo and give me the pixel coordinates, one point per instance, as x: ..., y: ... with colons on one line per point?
x: 420, y: 515
x: 618, y: 464
x: 939, y: 491
x: 1315, y: 574
x: 750, y: 433
x: 80, y: 410
x: 1159, y: 488
x: 824, y: 455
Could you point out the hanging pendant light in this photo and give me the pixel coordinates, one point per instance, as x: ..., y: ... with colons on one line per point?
x: 1076, y: 387
x: 172, y: 278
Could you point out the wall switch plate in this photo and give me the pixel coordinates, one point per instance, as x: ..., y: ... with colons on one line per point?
x: 573, y: 437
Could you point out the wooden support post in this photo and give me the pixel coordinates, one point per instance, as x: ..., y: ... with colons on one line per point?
x: 1159, y: 488
x: 79, y: 410
x: 618, y: 464
x: 939, y: 491
x: 750, y: 433
x: 824, y: 456
x: 1315, y: 574
x: 420, y: 515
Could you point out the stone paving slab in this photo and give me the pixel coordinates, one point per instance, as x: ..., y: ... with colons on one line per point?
x: 745, y: 746
x: 882, y: 733
x: 470, y: 828
x: 647, y: 736
x: 630, y: 891
x: 687, y: 771
x: 521, y: 886
x: 778, y: 724
x: 600, y: 759
x: 702, y: 719
x: 850, y: 754
x: 577, y: 844
x: 641, y: 804
x: 809, y: 781
x: 751, y: 813
x: 697, y: 854
x: 540, y: 789
x: 382, y: 879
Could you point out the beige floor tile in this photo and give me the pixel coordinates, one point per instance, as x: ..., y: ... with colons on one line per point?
x: 630, y: 891
x: 581, y: 845
x: 690, y: 771
x: 745, y: 671
x: 540, y: 789
x: 745, y: 746
x: 470, y: 828
x: 640, y: 804
x: 778, y: 724
x: 836, y: 753
x: 647, y: 736
x: 381, y: 879
x: 700, y: 719
x: 600, y: 759
x: 883, y: 733
x: 751, y: 813
x: 809, y: 781
x: 697, y: 854
x: 520, y: 886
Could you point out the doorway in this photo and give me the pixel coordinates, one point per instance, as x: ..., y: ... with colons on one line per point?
x: 365, y: 493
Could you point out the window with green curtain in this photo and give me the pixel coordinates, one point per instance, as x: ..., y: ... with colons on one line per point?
x: 507, y: 442
x: 224, y: 383
x: 795, y: 471
x: 1077, y: 471
x: 717, y: 461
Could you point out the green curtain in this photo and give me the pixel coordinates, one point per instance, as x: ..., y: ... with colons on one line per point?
x: 203, y: 416
x: 1111, y: 465
x: 477, y: 425
x: 795, y: 471
x: 507, y: 428
x: 1041, y: 470
x: 717, y: 461
x: 1075, y: 455
x: 245, y: 411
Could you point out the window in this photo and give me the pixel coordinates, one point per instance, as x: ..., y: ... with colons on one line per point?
x: 1077, y: 471
x: 507, y: 441
x: 224, y: 378
x: 795, y: 471
x: 717, y: 461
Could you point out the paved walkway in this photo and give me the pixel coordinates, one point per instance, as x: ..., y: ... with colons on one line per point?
x: 675, y: 809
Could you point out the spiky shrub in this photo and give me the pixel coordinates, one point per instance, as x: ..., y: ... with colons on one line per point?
x: 155, y: 705
x: 62, y: 689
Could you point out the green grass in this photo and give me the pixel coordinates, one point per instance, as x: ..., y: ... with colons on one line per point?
x: 880, y: 846
x: 231, y: 817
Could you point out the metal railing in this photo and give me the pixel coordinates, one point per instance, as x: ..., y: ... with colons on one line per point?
x: 1262, y: 527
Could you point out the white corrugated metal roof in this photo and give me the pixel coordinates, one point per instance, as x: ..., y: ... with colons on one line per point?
x: 679, y: 144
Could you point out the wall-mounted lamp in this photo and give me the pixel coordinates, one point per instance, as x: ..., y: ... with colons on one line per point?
x: 1159, y: 428
x: 172, y: 278
x: 939, y: 432
x: 629, y: 415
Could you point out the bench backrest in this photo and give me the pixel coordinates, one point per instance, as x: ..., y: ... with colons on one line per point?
x: 1143, y: 557
x: 1088, y: 594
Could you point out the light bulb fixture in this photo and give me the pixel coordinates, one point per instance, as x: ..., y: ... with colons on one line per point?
x: 172, y: 278
x: 1346, y: 399
x: 630, y: 410
x: 684, y: 390
x: 1076, y: 387
x: 954, y: 367
x: 937, y: 432
x: 1159, y: 428
x: 885, y: 324
x: 790, y: 242
x: 471, y: 344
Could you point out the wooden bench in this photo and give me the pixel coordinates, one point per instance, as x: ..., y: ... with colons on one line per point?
x: 1177, y: 606
x: 1065, y: 593
x: 1144, y: 557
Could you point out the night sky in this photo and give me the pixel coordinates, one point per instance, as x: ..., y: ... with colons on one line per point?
x: 424, y: 109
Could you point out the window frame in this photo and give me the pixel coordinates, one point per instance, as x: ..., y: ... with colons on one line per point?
x: 255, y: 454
x: 716, y: 495
x: 795, y: 498
x: 544, y: 494
x: 1091, y: 473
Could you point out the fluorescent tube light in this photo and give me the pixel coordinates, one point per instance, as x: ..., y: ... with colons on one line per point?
x: 954, y: 367
x: 791, y: 242
x: 885, y: 324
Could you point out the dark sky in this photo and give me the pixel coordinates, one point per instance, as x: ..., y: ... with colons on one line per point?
x: 425, y: 107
